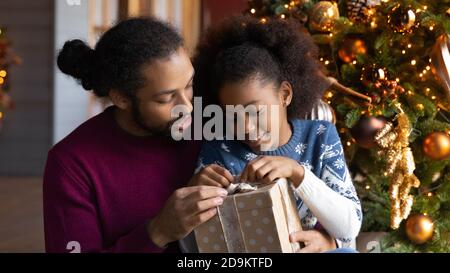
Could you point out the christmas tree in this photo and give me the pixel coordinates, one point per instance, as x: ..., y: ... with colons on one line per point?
x: 390, y: 60
x: 7, y: 59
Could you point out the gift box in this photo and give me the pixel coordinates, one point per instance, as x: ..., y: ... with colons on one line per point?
x: 256, y: 221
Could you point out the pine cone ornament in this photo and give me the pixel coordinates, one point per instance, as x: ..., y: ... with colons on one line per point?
x: 358, y: 10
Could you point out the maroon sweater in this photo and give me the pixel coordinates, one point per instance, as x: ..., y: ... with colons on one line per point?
x: 102, y: 184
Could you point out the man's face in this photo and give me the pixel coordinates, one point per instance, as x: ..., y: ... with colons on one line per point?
x: 168, y: 83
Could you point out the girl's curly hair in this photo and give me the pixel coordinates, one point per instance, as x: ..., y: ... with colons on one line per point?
x: 278, y: 50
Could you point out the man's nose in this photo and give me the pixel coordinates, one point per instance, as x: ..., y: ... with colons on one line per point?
x: 186, y: 101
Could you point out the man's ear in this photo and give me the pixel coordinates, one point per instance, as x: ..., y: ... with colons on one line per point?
x: 119, y: 99
x: 286, y: 93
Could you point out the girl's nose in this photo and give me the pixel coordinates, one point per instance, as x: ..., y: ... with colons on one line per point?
x: 250, y: 125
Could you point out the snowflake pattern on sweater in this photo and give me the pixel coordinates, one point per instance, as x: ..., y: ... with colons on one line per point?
x: 315, y: 144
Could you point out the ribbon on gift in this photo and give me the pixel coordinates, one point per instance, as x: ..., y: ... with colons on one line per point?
x: 231, y: 223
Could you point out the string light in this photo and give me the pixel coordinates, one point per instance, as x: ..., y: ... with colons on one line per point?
x: 420, y: 106
x: 327, y: 62
x: 282, y: 16
x: 409, y: 45
x: 397, y: 79
x: 367, y: 187
x: 433, y: 97
x: 286, y: 6
x: 263, y: 20
x: 1, y: 115
x: 329, y: 94
x: 413, y: 62
x: 431, y: 28
x: 428, y: 67
x: 2, y: 81
x: 3, y: 73
x: 354, y: 62
x: 349, y: 143
x: 253, y: 11
x: 430, y: 194
x: 403, y: 51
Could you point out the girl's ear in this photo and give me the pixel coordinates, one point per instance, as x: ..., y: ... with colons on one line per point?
x: 119, y: 99
x: 286, y: 93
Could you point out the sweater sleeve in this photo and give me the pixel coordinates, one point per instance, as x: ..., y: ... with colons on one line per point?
x: 71, y: 221
x: 209, y: 154
x: 332, y: 197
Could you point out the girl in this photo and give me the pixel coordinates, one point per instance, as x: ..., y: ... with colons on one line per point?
x: 248, y: 62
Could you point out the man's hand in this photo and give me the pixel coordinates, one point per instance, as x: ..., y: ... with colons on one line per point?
x: 186, y: 209
x: 315, y: 241
x: 212, y: 175
x: 269, y: 168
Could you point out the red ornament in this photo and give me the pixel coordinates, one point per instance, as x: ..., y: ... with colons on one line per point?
x: 365, y: 129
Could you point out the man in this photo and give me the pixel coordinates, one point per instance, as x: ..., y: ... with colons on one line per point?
x: 116, y: 183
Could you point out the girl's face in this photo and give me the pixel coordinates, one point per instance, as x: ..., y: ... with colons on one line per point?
x: 262, y: 96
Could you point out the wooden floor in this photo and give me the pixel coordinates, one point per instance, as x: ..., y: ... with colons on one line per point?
x: 21, y: 222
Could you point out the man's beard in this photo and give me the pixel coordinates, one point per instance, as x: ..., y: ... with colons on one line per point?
x: 162, y: 131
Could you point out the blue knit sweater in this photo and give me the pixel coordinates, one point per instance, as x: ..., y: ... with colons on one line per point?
x: 315, y: 144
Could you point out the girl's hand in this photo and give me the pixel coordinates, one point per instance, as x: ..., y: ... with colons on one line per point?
x: 315, y: 241
x: 269, y: 168
x: 212, y: 175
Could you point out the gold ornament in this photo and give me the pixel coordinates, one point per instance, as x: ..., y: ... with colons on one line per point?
x: 401, y: 19
x: 394, y: 142
x: 323, y: 15
x: 437, y: 145
x: 440, y: 58
x: 419, y: 228
x: 351, y: 47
